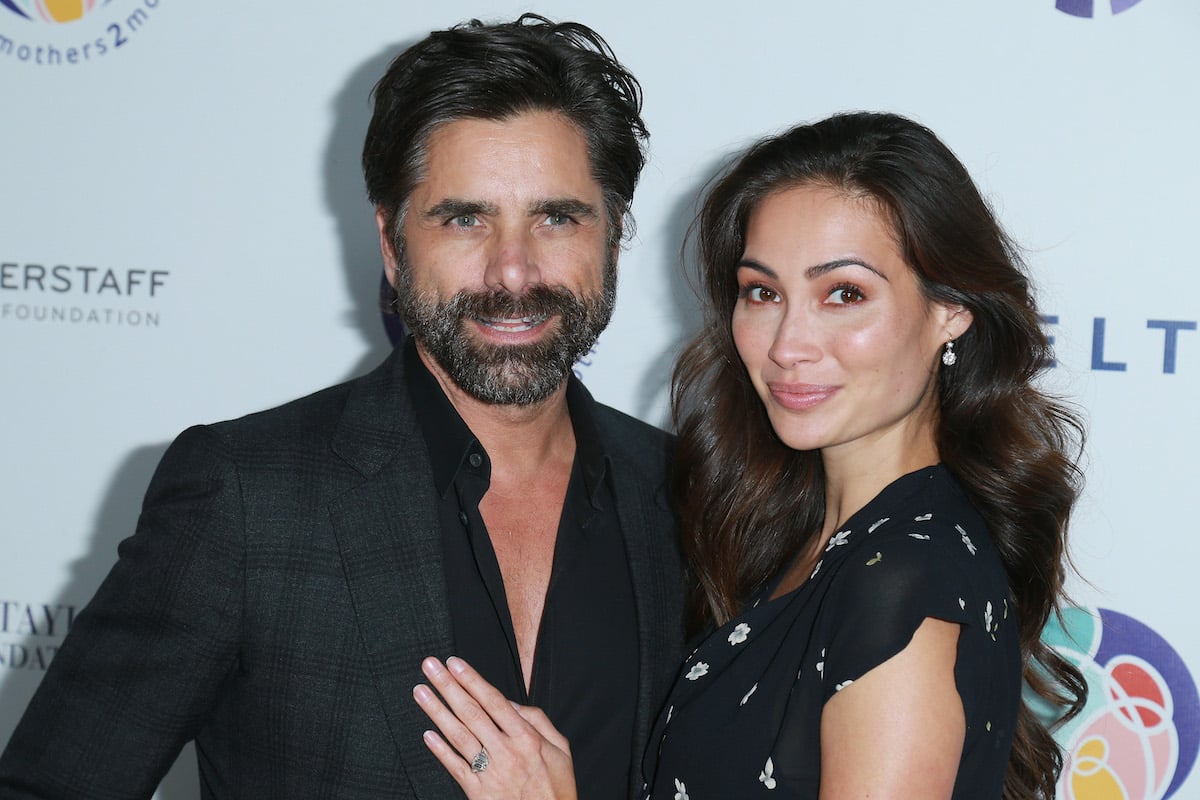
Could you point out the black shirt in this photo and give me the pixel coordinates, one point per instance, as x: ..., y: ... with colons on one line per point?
x: 744, y: 718
x: 585, y: 667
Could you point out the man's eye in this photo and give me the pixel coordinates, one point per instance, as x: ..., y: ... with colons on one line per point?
x: 464, y: 220
x: 558, y: 219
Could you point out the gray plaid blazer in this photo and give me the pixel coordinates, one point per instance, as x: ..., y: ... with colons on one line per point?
x: 284, y: 582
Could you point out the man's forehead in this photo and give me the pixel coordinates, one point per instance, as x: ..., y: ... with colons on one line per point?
x: 529, y: 158
x: 551, y: 122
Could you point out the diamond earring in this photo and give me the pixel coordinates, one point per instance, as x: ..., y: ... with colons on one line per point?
x: 948, y: 355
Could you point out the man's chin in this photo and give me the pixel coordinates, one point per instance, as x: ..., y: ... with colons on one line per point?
x: 511, y: 385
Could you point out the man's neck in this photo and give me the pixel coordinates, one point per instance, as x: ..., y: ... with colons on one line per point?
x: 520, y: 440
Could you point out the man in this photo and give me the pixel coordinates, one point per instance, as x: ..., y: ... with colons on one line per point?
x: 291, y: 568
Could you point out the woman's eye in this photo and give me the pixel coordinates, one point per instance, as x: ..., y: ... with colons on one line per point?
x: 760, y: 294
x: 845, y: 295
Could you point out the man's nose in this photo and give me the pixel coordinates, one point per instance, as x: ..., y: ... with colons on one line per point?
x: 512, y: 262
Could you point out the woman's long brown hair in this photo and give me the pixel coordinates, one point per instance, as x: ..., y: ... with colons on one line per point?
x: 748, y: 503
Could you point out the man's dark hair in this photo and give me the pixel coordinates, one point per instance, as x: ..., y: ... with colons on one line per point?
x: 494, y: 72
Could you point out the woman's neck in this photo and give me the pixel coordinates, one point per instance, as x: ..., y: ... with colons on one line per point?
x: 855, y: 476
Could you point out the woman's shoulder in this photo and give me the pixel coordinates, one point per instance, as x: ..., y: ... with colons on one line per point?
x: 926, y: 549
x: 927, y: 507
x: 928, y: 554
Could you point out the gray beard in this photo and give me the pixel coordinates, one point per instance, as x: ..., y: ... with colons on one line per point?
x: 523, y: 374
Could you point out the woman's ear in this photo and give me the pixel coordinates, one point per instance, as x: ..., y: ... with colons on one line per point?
x: 955, y: 319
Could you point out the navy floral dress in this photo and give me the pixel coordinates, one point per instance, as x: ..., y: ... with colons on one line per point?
x: 743, y: 719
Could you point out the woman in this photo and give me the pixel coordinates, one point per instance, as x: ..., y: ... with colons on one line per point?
x: 874, y: 495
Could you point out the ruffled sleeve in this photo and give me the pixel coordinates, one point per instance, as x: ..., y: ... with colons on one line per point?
x: 898, y: 576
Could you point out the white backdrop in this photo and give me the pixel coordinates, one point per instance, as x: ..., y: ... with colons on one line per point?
x: 184, y: 238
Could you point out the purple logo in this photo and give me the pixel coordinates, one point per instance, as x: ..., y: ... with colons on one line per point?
x: 1138, y: 736
x: 393, y: 326
x: 1087, y: 8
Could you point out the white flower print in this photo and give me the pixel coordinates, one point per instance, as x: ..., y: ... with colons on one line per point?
x: 878, y: 557
x: 698, y: 670
x: 923, y: 518
x: 816, y: 569
x: 1006, y: 608
x: 739, y: 633
x: 987, y: 618
x: 838, y: 539
x: 842, y: 685
x: 821, y: 664
x: 680, y: 790
x: 962, y: 604
x: 966, y: 539
x: 922, y: 536
x: 877, y: 524
x: 766, y: 775
x: 746, y: 697
x: 670, y: 713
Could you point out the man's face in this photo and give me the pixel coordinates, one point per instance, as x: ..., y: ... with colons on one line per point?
x: 504, y: 270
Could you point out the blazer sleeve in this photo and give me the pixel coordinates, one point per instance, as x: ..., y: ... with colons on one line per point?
x: 145, y: 660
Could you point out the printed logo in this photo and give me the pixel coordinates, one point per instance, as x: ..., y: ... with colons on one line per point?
x: 80, y: 294
x: 1086, y: 8
x: 1110, y: 345
x: 55, y: 33
x: 1137, y: 737
x: 53, y: 11
x: 30, y: 633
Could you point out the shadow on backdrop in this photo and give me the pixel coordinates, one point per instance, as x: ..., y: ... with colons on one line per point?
x: 346, y: 200
x: 680, y: 260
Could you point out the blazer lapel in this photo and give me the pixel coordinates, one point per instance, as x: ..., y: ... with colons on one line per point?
x: 391, y: 549
x: 648, y: 527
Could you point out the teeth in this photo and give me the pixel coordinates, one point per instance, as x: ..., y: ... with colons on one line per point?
x: 513, y: 325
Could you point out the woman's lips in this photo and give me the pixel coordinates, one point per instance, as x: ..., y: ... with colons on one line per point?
x: 800, y: 396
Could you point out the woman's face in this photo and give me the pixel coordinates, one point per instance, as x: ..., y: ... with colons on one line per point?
x: 832, y: 326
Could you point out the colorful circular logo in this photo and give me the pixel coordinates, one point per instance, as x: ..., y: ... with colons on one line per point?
x: 1087, y: 8
x: 53, y: 11
x: 1138, y: 736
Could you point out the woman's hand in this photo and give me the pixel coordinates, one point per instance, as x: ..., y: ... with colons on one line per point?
x: 494, y: 749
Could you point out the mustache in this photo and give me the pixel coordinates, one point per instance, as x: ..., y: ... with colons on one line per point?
x: 536, y: 301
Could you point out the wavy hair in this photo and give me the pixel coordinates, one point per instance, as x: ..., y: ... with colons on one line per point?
x: 495, y: 72
x: 748, y: 502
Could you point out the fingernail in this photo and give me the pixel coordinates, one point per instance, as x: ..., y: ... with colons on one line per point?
x: 422, y: 693
x: 455, y: 664
x: 431, y: 666
x: 429, y: 736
